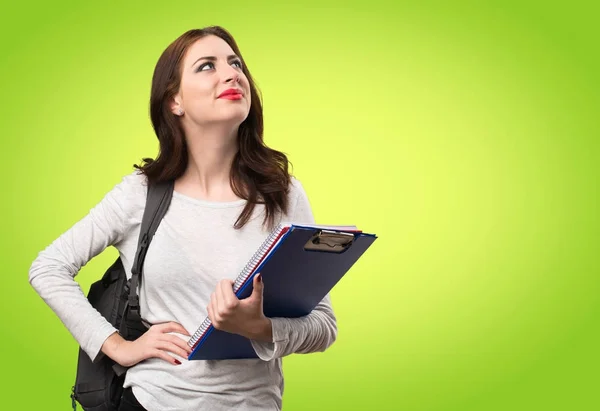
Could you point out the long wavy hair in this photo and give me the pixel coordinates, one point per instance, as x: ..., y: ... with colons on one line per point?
x: 259, y: 174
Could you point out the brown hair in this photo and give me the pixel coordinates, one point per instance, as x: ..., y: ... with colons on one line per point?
x: 258, y: 174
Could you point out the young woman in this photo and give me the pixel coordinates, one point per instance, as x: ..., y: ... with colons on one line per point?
x: 230, y: 191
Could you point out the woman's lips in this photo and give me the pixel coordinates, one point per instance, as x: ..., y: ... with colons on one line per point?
x: 232, y: 96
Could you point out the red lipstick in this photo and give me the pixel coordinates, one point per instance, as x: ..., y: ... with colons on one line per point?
x: 231, y: 94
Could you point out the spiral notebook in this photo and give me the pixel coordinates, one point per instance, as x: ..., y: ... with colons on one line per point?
x: 299, y: 265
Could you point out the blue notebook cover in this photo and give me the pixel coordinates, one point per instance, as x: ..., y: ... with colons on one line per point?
x: 299, y: 265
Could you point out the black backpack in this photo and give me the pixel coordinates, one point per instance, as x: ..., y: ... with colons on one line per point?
x: 99, y: 385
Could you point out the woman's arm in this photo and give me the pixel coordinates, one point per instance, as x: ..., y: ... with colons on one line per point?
x: 53, y: 271
x: 314, y: 332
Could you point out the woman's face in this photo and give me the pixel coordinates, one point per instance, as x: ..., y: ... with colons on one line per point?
x: 210, y: 68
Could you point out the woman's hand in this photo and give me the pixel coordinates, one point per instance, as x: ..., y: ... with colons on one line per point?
x: 244, y: 317
x: 153, y: 343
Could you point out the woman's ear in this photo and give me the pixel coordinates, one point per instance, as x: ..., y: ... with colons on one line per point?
x: 176, y: 106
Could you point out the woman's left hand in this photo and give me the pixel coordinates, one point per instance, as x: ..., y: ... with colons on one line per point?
x: 244, y: 317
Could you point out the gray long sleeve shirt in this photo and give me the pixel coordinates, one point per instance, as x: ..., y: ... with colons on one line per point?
x: 194, y: 247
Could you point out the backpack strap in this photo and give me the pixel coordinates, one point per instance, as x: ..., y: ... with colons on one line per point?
x: 157, y: 203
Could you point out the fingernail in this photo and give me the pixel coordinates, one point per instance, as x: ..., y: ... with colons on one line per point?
x: 259, y: 278
x: 177, y: 362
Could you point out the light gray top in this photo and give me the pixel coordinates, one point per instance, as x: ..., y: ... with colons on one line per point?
x: 194, y: 247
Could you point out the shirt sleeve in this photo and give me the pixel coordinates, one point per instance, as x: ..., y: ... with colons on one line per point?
x: 314, y: 332
x: 52, y: 273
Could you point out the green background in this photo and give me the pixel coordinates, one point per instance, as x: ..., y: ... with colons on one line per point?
x: 464, y: 136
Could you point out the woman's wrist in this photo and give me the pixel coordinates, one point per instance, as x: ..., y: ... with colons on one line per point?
x: 262, y: 330
x: 111, y: 345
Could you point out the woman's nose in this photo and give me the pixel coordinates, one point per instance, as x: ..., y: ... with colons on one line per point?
x: 233, y: 76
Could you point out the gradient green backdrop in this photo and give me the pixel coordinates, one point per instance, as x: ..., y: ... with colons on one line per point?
x: 465, y: 136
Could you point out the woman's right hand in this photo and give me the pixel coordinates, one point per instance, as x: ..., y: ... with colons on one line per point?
x: 153, y: 343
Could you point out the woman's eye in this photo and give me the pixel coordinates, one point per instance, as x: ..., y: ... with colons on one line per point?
x: 203, y: 66
x: 207, y: 66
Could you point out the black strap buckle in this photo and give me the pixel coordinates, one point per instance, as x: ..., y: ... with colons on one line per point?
x: 134, y: 301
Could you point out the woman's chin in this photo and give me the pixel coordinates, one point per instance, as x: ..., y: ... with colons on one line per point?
x: 236, y: 117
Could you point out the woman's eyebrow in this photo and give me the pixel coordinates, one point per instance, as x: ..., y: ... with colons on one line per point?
x: 213, y: 58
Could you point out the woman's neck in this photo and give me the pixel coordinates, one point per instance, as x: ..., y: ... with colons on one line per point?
x: 210, y: 156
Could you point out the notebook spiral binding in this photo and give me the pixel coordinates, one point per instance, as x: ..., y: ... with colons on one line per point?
x: 241, y: 278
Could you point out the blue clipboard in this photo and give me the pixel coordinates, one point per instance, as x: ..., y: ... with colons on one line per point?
x: 299, y: 265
